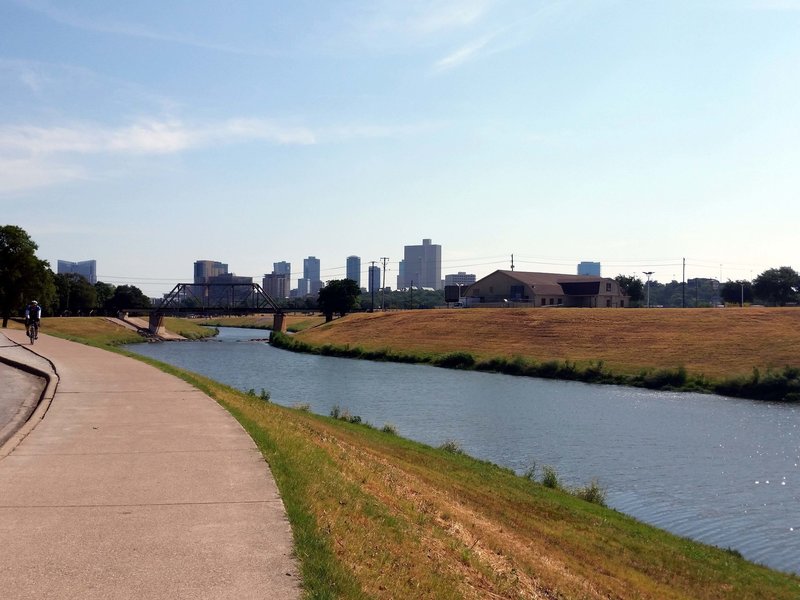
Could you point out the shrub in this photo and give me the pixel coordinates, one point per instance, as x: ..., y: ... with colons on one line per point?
x: 452, y: 446
x: 550, y: 477
x: 303, y: 406
x: 592, y: 493
x: 265, y: 395
x: 389, y: 428
x: 456, y: 360
x: 530, y: 472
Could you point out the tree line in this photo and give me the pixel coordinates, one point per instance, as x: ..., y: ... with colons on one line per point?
x: 25, y: 277
x: 774, y: 287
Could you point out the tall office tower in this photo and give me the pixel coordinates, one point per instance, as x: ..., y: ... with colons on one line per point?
x: 354, y: 269
x: 282, y: 268
x: 87, y: 268
x: 589, y: 268
x: 401, y: 275
x: 277, y: 285
x: 374, y: 278
x: 204, y: 270
x: 422, y: 265
x: 311, y: 272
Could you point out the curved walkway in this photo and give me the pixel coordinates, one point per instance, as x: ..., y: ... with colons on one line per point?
x: 134, y: 484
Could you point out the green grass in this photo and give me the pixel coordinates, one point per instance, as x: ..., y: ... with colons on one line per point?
x: 375, y: 515
x: 775, y: 385
x: 188, y: 328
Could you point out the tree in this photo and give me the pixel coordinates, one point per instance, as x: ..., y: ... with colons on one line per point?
x: 631, y: 286
x: 735, y: 292
x: 23, y: 276
x: 74, y: 294
x: 104, y: 292
x: 127, y: 297
x: 338, y: 296
x: 777, y: 286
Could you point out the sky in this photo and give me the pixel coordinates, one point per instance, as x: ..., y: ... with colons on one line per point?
x: 147, y: 135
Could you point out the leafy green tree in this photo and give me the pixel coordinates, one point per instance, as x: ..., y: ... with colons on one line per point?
x: 23, y: 276
x: 631, y: 286
x: 734, y: 292
x: 338, y: 296
x: 74, y: 294
x: 104, y: 292
x: 777, y: 286
x: 127, y: 297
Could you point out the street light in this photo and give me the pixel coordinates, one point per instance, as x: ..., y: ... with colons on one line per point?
x: 648, y: 273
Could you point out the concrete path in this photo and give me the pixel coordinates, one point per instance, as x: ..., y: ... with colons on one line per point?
x: 135, y: 485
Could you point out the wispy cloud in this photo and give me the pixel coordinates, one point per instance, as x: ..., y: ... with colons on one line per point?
x: 112, y: 27
x: 21, y: 174
x: 462, y: 55
x: 33, y: 156
x: 148, y: 136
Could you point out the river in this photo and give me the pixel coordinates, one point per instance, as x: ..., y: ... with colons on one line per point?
x: 719, y: 470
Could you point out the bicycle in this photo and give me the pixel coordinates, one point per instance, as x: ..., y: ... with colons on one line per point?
x: 33, y: 331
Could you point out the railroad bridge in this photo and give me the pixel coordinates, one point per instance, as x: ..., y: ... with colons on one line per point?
x: 216, y: 298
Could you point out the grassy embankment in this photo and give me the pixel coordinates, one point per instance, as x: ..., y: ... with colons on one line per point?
x: 752, y: 352
x: 377, y: 516
x: 294, y: 323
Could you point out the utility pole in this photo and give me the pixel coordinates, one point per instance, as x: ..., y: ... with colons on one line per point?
x: 683, y: 286
x: 512, y: 262
x: 648, y: 273
x: 383, y: 286
x: 411, y: 289
x: 372, y: 285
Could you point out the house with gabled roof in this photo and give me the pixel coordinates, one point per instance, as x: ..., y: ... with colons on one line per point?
x: 521, y: 288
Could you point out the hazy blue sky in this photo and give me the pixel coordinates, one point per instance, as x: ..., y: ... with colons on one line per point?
x: 150, y: 134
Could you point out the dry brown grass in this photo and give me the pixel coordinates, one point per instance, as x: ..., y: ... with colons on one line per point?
x: 714, y: 342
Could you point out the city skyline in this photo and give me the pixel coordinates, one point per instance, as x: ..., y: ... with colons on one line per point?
x: 630, y: 134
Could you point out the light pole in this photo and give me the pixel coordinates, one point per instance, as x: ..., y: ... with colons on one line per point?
x: 648, y: 273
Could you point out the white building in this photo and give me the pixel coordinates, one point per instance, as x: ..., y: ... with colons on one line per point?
x: 421, y: 266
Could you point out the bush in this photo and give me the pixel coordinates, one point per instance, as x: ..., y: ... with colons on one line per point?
x: 592, y: 493
x: 452, y: 446
x: 389, y: 428
x: 530, y: 472
x: 550, y: 477
x: 455, y: 360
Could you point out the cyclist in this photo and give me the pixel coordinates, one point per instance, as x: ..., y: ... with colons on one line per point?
x: 33, y: 315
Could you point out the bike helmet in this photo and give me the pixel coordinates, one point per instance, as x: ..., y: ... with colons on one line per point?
x: 34, y: 302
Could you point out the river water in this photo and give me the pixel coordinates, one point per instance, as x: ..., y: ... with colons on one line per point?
x: 719, y: 470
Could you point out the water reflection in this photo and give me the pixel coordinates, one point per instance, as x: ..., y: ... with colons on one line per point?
x: 720, y: 470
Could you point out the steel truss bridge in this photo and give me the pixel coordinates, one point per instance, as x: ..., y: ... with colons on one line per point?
x: 216, y: 298
x: 227, y: 298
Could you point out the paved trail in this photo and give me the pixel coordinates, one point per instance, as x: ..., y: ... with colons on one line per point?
x: 136, y: 485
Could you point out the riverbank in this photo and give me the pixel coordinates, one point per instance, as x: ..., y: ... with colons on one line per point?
x: 376, y: 515
x: 750, y: 353
x: 295, y: 323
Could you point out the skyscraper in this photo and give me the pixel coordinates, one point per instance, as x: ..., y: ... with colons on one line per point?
x: 87, y: 268
x: 204, y: 270
x: 422, y: 265
x: 311, y: 272
x: 354, y: 269
x: 282, y: 268
x: 277, y: 285
x: 374, y: 278
x: 589, y: 268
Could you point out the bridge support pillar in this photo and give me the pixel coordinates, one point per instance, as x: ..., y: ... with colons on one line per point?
x: 156, y: 323
x: 279, y: 322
